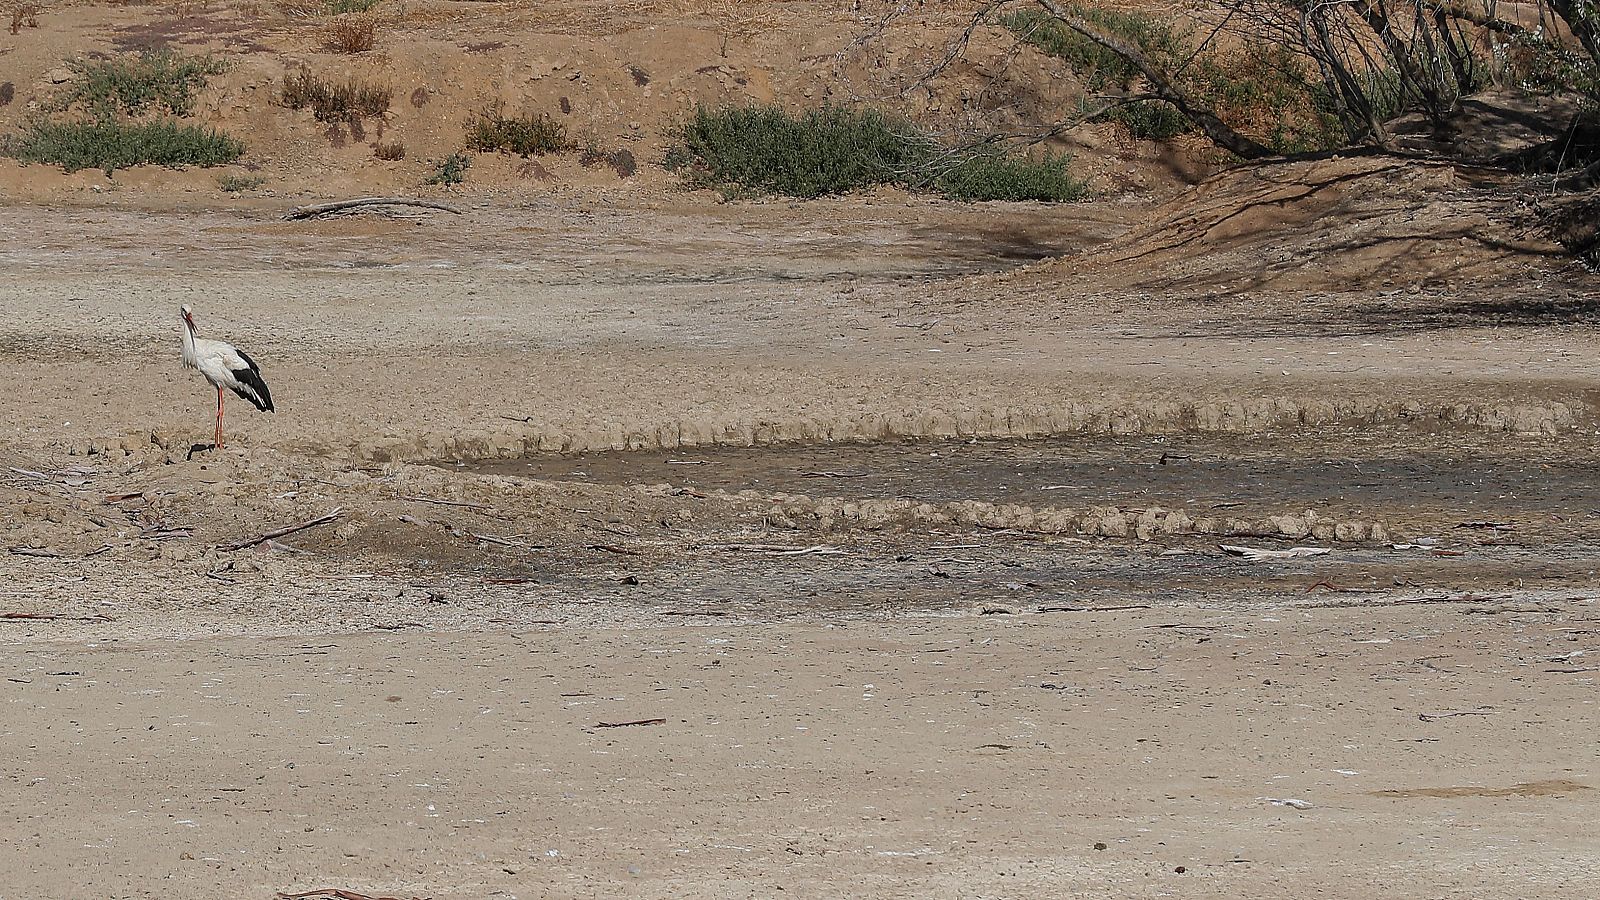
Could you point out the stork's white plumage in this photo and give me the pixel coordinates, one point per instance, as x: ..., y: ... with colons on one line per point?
x: 225, y: 366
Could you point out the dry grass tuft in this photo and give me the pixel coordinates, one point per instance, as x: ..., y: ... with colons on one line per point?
x: 390, y: 152
x: 331, y: 102
x: 356, y: 33
x: 24, y: 14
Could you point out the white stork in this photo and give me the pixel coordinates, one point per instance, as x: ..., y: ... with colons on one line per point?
x: 225, y: 366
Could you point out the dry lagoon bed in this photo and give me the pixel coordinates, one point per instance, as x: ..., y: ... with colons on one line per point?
x: 788, y: 550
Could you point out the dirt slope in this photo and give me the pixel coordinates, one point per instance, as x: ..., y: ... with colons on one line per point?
x: 616, y: 75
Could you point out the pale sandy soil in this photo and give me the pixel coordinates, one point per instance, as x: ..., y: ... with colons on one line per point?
x: 1441, y: 754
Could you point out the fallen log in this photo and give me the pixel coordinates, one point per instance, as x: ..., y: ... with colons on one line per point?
x: 324, y: 209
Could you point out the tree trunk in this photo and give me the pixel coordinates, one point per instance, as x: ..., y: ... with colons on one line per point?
x: 1580, y: 18
x: 1202, y: 115
x: 1354, y: 98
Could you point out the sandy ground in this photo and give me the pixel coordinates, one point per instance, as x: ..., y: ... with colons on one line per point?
x: 1130, y: 754
x: 883, y: 672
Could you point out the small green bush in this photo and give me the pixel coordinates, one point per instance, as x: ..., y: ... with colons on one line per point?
x: 233, y: 184
x: 1150, y: 120
x: 996, y: 176
x: 823, y: 151
x: 112, y: 145
x: 452, y: 170
x: 331, y: 102
x: 136, y: 84
x: 534, y: 134
x: 744, y: 151
x: 344, y: 7
x: 1100, y: 67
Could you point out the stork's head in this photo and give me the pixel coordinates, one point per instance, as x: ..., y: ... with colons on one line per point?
x: 188, y: 316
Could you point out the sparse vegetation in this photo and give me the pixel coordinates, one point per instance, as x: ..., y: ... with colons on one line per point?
x: 234, y: 184
x: 534, y: 134
x: 110, y: 145
x: 1097, y: 66
x: 834, y: 150
x: 354, y: 33
x: 331, y: 102
x: 620, y: 161
x: 345, y: 7
x: 24, y: 14
x: 996, y: 176
x: 764, y: 149
x: 390, y: 152
x: 160, y: 79
x: 450, y: 171
x: 1260, y: 89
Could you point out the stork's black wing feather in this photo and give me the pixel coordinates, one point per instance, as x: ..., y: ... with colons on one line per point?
x: 257, y: 392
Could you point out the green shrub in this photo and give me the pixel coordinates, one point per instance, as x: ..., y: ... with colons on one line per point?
x: 1150, y: 120
x: 1261, y: 90
x: 343, y: 7
x: 331, y: 102
x: 1159, y: 41
x: 136, y: 84
x: 534, y: 134
x: 452, y: 170
x: 996, y: 176
x: 233, y: 184
x: 823, y: 151
x: 743, y: 151
x: 112, y: 145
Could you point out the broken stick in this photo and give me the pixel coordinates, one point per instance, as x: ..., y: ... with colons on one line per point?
x: 323, y: 209
x: 323, y: 519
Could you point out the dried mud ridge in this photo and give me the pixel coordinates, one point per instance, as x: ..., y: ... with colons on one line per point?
x: 1070, y: 417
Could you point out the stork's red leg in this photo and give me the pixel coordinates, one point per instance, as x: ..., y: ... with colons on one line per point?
x: 219, y: 419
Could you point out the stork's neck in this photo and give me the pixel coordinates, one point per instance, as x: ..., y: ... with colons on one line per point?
x: 189, y: 355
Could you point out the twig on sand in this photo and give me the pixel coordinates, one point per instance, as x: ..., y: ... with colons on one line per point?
x: 612, y: 548
x: 323, y: 519
x: 829, y: 474
x: 634, y: 722
x: 55, y: 617
x: 1430, y: 717
x: 1468, y: 597
x: 505, y: 542
x: 333, y: 894
x: 1056, y: 609
x: 1256, y: 554
x: 35, y: 551
x: 771, y: 550
x: 323, y: 209
x: 460, y: 503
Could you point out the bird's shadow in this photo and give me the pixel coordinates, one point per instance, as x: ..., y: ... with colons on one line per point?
x: 199, y: 448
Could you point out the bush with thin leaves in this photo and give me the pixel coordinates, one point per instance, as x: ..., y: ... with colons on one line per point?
x: 157, y: 79
x: 764, y: 149
x: 535, y: 134
x: 111, y: 145
x: 333, y: 102
x: 450, y: 171
x: 1096, y: 65
x: 745, y: 151
x: 233, y: 184
x: 354, y: 33
x: 1259, y: 89
x: 997, y: 176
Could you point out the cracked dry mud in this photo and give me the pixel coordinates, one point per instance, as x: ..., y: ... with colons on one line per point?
x: 915, y: 553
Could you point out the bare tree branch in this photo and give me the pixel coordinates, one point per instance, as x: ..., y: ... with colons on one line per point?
x: 1202, y: 115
